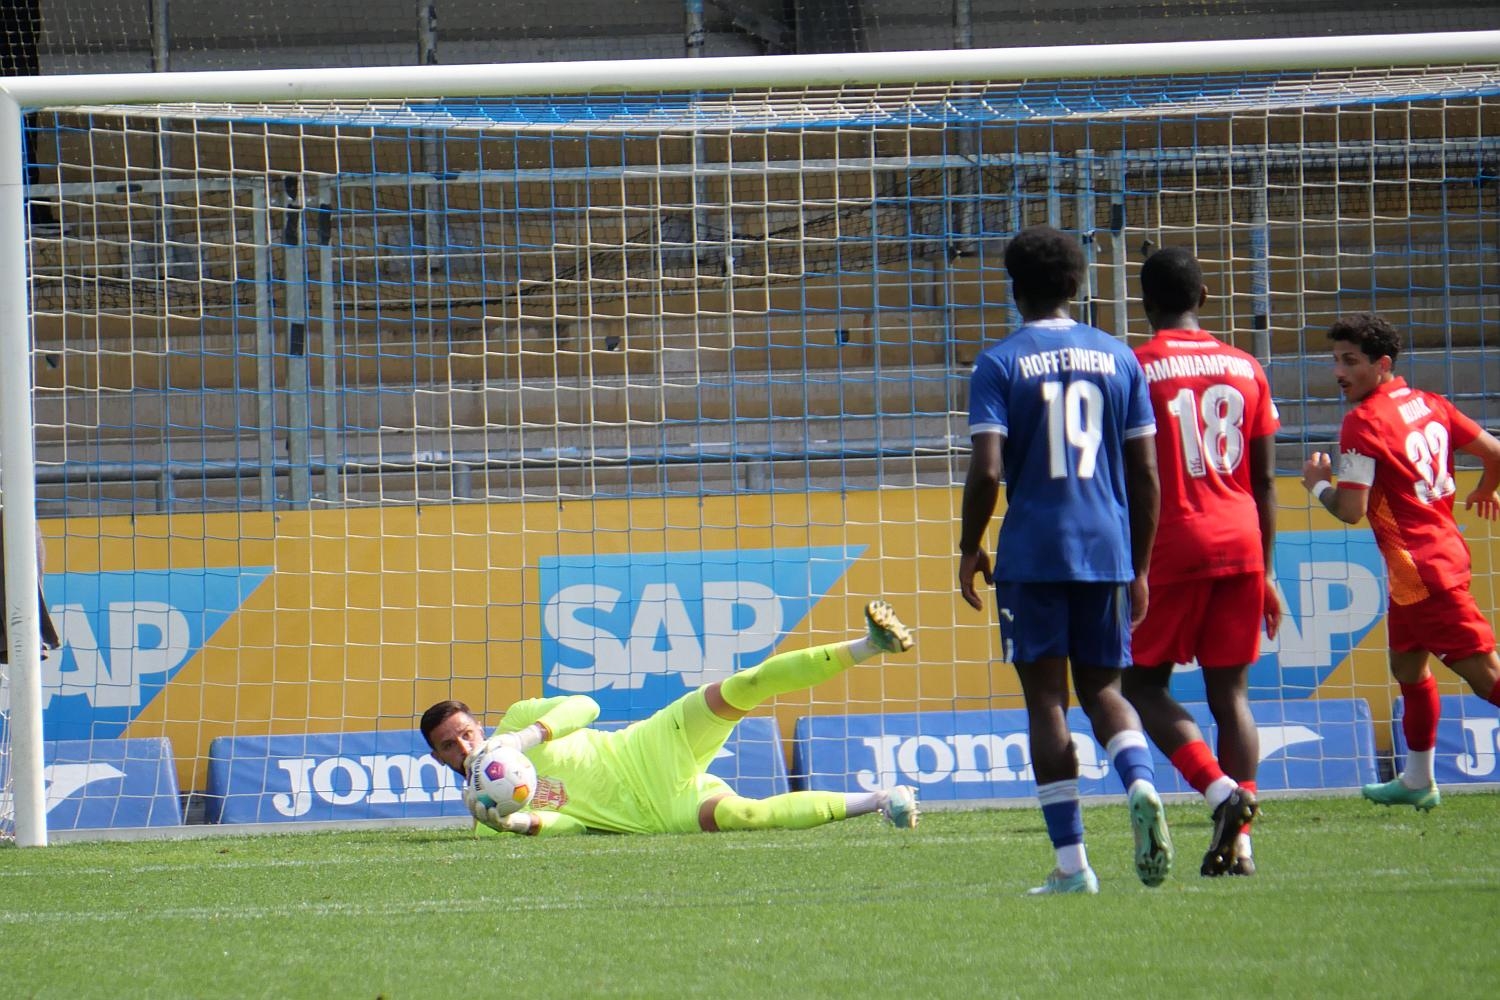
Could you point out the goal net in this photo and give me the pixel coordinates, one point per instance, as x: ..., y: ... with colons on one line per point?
x: 343, y: 406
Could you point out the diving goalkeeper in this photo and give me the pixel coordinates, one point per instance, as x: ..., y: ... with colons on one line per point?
x: 650, y: 777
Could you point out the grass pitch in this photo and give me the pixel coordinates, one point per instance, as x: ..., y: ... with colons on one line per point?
x: 1351, y: 900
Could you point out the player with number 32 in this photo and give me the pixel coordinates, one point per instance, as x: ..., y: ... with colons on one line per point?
x: 1396, y: 468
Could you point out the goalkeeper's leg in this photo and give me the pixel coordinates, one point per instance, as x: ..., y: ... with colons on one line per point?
x: 732, y: 698
x: 803, y: 810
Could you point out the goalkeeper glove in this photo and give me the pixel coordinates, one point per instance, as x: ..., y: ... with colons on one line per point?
x: 526, y: 739
x: 516, y: 822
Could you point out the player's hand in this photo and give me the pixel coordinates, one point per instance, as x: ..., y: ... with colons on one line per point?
x: 516, y: 822
x: 509, y: 741
x: 1486, y: 505
x: 521, y: 741
x: 477, y: 809
x: 977, y: 561
x: 1318, y: 469
x: 1271, y: 610
x: 1140, y: 599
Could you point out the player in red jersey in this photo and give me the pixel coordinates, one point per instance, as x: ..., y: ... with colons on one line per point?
x: 1216, y: 433
x: 1396, y: 468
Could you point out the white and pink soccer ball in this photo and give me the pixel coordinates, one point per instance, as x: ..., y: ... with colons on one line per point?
x: 502, y: 779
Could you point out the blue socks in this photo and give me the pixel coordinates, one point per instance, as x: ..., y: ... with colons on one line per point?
x: 1060, y: 809
x: 1131, y: 758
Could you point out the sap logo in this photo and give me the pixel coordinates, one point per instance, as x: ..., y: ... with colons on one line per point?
x: 1481, y: 745
x: 1333, y: 591
x: 1332, y: 587
x: 125, y: 635
x: 370, y: 779
x: 639, y: 630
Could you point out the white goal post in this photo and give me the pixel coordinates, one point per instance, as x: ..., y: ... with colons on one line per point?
x: 184, y: 92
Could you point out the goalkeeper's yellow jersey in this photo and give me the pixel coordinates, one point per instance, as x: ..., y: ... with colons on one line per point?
x: 640, y: 779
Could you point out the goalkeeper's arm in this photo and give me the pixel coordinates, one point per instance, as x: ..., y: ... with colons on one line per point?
x: 537, y: 823
x: 559, y: 717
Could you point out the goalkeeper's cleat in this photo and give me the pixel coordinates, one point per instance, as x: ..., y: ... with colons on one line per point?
x: 1394, y: 793
x: 1153, y: 844
x: 1083, y: 882
x: 900, y: 807
x: 885, y: 629
x: 1230, y: 815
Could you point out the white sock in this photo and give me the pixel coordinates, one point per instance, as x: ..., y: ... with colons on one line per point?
x: 1418, y: 773
x: 1219, y: 790
x: 863, y: 649
x: 861, y: 803
x: 1072, y: 859
x: 1242, y: 846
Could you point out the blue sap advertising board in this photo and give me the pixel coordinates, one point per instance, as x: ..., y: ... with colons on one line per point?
x: 1468, y: 740
x: 1333, y: 592
x: 125, y: 636
x: 637, y: 631
x: 987, y: 755
x: 105, y: 784
x: 391, y: 775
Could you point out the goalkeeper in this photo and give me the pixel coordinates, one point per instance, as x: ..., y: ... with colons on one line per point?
x: 650, y: 777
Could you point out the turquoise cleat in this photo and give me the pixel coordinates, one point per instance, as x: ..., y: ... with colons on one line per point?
x: 1083, y: 882
x: 1153, y: 844
x: 885, y: 629
x: 1394, y: 793
x: 900, y: 807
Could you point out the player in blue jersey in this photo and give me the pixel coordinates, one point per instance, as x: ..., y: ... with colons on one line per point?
x: 1063, y: 410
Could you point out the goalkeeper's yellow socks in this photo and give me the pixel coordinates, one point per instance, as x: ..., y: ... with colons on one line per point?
x: 791, y: 811
x: 802, y: 810
x: 785, y: 673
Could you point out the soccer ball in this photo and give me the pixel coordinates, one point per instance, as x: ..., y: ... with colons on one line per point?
x: 502, y: 779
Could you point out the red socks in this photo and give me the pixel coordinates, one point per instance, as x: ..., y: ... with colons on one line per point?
x: 1419, y: 725
x: 1197, y: 765
x: 1248, y: 786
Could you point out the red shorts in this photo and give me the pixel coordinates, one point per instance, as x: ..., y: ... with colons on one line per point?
x: 1449, y: 625
x: 1215, y: 621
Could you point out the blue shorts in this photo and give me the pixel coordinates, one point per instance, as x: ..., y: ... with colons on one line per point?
x: 1088, y: 623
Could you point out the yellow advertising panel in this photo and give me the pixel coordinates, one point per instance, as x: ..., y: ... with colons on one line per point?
x: 205, y: 625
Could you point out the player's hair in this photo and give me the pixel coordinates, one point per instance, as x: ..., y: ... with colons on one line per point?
x: 438, y: 714
x: 1371, y: 333
x: 1045, y: 266
x: 1172, y: 281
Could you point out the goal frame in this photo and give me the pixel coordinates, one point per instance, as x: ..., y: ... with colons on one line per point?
x: 20, y: 95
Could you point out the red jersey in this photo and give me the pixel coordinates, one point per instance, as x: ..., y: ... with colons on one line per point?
x: 1398, y: 443
x: 1211, y: 400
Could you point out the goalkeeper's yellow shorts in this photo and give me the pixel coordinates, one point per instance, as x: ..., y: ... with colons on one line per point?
x: 670, y: 753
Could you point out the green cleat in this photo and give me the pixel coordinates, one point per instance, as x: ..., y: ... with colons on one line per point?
x: 1153, y: 844
x: 1394, y: 793
x: 900, y: 807
x: 885, y: 629
x: 1083, y: 882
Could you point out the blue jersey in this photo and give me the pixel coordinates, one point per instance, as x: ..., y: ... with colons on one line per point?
x: 1066, y: 397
